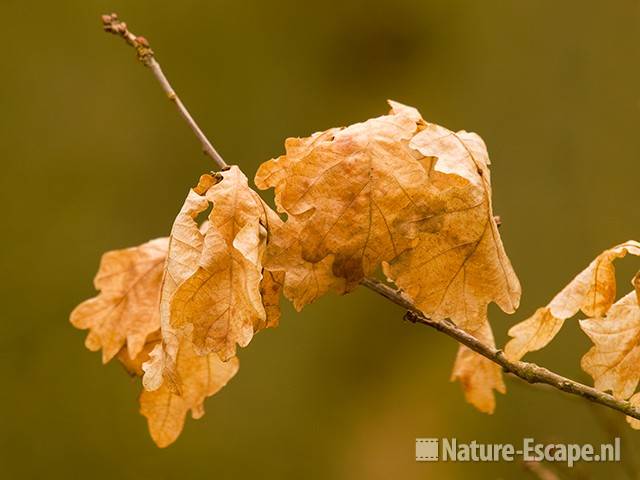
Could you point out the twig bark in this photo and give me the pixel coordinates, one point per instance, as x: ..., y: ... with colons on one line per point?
x: 113, y: 25
x: 529, y: 372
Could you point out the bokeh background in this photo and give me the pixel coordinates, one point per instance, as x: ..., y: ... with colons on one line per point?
x: 93, y: 158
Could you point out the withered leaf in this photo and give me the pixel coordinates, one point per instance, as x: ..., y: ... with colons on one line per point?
x: 614, y: 360
x: 417, y: 200
x: 459, y: 265
x: 478, y: 375
x: 303, y: 281
x: 221, y: 299
x: 201, y: 377
x: 166, y: 407
x: 185, y: 246
x: 593, y: 291
x: 346, y: 193
x: 126, y: 310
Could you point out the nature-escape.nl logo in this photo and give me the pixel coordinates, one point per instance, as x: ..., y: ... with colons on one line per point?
x: 450, y: 450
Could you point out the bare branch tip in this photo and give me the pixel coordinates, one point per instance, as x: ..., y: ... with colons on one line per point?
x: 111, y: 23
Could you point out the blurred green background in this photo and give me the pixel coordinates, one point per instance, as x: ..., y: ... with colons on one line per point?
x: 94, y: 158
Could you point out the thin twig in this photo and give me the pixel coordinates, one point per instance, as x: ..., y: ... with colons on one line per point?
x: 528, y: 372
x: 113, y: 25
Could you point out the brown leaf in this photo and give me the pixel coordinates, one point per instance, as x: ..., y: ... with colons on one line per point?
x: 221, y: 298
x: 126, y: 310
x: 129, y: 305
x: 346, y: 193
x: 413, y: 196
x: 304, y: 281
x: 185, y: 247
x: 532, y: 334
x: 201, y: 377
x: 614, y: 360
x: 593, y: 291
x: 478, y: 375
x: 459, y: 265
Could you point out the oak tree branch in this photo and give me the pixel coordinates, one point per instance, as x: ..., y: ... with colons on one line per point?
x: 112, y: 24
x: 529, y: 372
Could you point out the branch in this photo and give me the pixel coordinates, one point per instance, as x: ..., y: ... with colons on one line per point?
x: 529, y: 372
x: 113, y: 25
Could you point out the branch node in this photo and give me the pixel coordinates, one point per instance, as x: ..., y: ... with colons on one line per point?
x: 410, y: 316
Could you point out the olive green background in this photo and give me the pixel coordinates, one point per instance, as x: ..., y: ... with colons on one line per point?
x: 94, y: 158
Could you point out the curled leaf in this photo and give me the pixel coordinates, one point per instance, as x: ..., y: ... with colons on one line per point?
x: 130, y: 303
x: 184, y: 249
x: 532, y: 334
x: 593, y: 291
x: 221, y: 299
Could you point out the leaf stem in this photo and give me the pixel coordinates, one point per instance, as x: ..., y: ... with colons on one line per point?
x: 113, y: 25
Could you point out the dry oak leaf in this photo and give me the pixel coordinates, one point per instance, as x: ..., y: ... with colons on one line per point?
x: 614, y: 360
x: 222, y: 299
x: 200, y: 377
x: 459, y: 264
x: 478, y: 375
x: 165, y: 408
x: 346, y: 193
x: 184, y: 248
x: 593, y: 291
x: 130, y: 283
x: 303, y: 281
x: 126, y: 310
